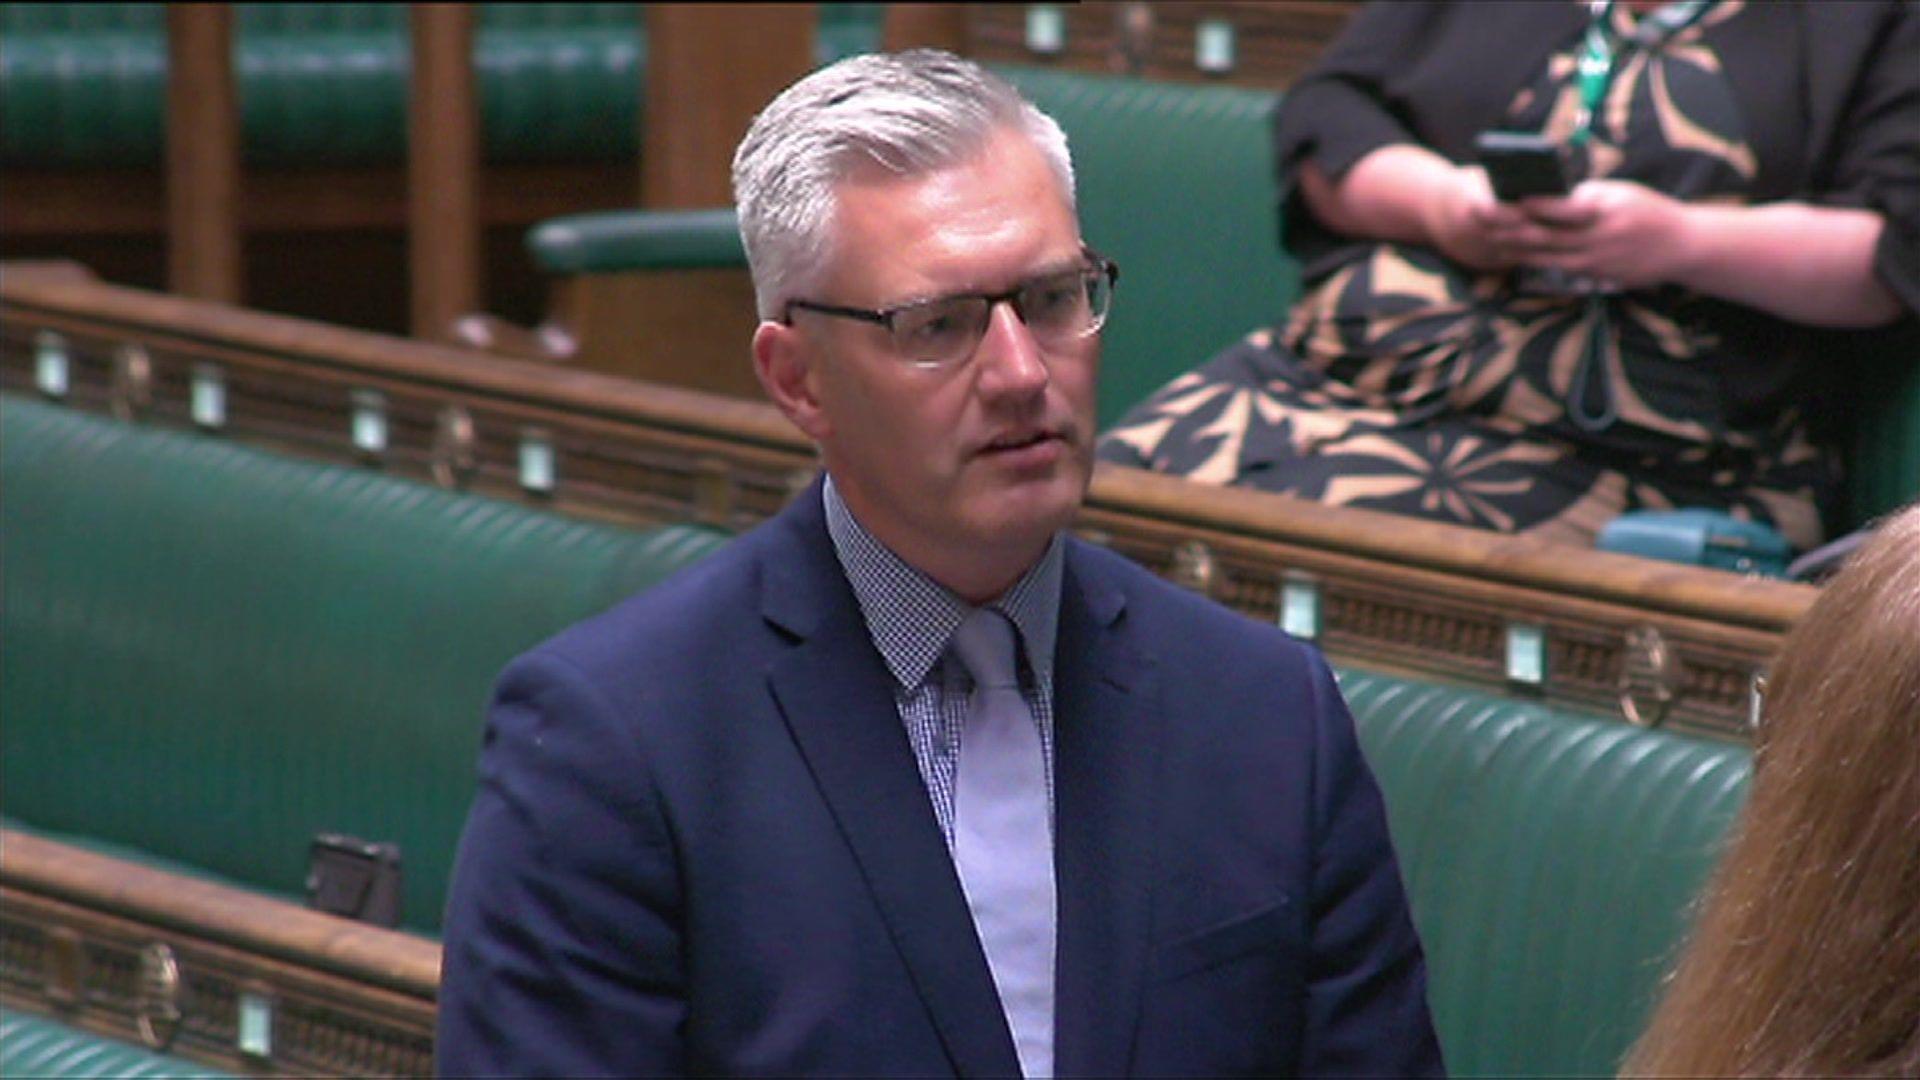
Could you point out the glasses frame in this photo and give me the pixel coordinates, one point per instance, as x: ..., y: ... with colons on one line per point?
x: 1095, y: 263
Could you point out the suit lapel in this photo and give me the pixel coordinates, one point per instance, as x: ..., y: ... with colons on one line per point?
x: 1107, y: 741
x: 837, y: 699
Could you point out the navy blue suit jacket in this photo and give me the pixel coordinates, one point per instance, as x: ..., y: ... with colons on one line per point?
x: 701, y: 844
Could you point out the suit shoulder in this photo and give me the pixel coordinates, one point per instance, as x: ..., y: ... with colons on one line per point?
x: 696, y: 604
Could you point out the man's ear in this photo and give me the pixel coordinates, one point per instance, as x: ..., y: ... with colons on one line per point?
x: 784, y: 361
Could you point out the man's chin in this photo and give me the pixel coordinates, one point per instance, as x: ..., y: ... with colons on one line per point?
x: 1034, y: 508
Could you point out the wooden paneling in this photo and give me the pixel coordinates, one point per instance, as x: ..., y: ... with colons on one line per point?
x: 685, y: 328
x: 934, y: 26
x: 131, y: 203
x: 202, y: 226
x: 710, y: 68
x: 443, y: 169
x: 203, y: 154
x: 1394, y: 593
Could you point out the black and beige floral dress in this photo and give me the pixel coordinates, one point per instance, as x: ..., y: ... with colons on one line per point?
x: 1404, y: 383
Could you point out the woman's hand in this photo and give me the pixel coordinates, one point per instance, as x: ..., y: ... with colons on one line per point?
x: 1810, y: 264
x: 1409, y: 193
x: 1468, y: 225
x: 1615, y: 231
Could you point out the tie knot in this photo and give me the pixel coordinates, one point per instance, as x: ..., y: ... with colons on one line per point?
x: 984, y: 642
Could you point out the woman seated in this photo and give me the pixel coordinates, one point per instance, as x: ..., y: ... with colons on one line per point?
x: 1657, y: 338
x: 1806, y: 959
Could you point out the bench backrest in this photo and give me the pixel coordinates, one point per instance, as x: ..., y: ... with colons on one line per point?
x: 319, y: 84
x: 85, y: 84
x: 1551, y: 861
x: 1175, y: 183
x: 214, y: 653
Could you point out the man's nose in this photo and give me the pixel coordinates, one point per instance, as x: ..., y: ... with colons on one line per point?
x: 1010, y: 359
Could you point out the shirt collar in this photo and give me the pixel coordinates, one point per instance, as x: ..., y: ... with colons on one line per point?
x: 912, y: 618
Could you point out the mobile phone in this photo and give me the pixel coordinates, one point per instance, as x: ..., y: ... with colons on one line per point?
x: 1521, y: 164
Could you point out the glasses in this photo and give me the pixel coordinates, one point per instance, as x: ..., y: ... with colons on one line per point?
x: 1058, y: 309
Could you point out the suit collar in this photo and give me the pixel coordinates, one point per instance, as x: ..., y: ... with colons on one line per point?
x: 1108, y: 736
x: 799, y: 579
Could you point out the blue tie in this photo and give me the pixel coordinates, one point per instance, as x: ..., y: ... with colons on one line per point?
x: 1002, y: 842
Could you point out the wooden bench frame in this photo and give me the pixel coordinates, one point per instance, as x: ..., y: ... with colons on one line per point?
x: 166, y: 961
x: 1657, y: 641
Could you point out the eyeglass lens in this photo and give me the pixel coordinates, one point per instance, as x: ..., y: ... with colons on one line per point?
x: 1057, y: 309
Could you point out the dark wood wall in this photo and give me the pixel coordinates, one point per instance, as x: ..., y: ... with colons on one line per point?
x: 333, y: 244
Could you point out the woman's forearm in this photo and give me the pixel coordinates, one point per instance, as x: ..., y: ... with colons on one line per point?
x: 1810, y: 264
x: 1409, y: 194
x: 1386, y: 195
x: 1805, y: 263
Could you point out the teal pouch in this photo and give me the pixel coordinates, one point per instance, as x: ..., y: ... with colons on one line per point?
x: 1699, y: 538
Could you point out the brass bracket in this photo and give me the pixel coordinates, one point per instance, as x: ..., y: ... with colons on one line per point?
x: 1756, y: 700
x: 1195, y: 567
x: 453, y: 456
x: 712, y: 492
x: 1132, y: 38
x: 1649, y: 672
x: 157, y: 1009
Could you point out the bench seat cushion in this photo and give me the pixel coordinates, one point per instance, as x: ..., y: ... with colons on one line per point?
x: 39, y: 1046
x: 1551, y: 861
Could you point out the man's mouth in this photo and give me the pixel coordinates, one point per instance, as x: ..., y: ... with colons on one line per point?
x: 1017, y: 441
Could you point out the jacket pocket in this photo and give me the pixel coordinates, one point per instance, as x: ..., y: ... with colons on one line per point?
x: 1261, y: 930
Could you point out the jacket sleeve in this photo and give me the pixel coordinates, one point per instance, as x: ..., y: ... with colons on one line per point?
x: 1867, y: 81
x: 1339, y: 109
x: 1431, y: 73
x: 1367, y: 1011
x: 562, y: 935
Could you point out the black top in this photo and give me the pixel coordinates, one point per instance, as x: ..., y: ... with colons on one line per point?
x: 1822, y: 97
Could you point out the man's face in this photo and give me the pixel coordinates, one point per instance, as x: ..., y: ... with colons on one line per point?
x: 967, y: 471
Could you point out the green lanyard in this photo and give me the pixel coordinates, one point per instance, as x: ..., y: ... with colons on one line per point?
x: 1590, y: 403
x: 1599, y: 56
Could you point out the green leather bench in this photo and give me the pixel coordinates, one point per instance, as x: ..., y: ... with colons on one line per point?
x: 1550, y: 861
x: 318, y: 84
x: 326, y: 84
x: 235, y: 650
x: 214, y: 653
x: 1176, y: 184
x: 35, y: 1046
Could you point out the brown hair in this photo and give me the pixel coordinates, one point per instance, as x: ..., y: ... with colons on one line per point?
x: 1806, y: 958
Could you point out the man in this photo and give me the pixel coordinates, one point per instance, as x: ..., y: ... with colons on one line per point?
x: 905, y: 781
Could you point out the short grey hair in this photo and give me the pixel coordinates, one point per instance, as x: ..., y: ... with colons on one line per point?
x: 911, y: 113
